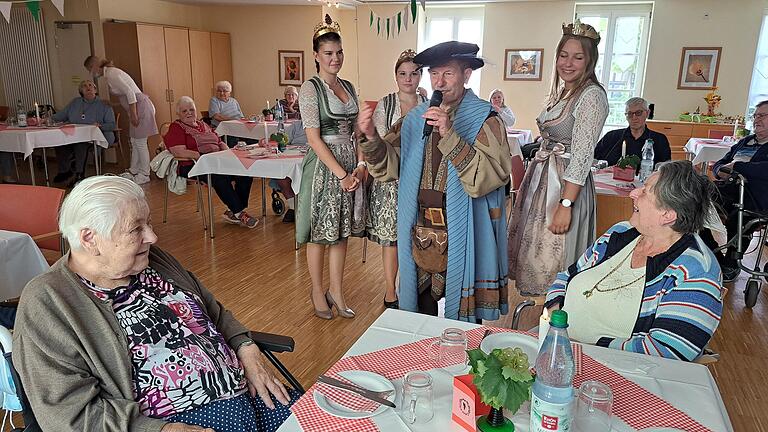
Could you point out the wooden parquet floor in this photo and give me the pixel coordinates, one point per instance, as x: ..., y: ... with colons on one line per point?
x: 259, y: 276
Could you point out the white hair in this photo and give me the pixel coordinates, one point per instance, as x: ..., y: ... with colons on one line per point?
x: 185, y: 100
x: 225, y: 85
x: 637, y: 101
x: 97, y: 203
x: 291, y: 89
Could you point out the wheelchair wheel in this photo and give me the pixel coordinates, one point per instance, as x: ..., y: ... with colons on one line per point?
x: 751, y: 292
x: 277, y: 204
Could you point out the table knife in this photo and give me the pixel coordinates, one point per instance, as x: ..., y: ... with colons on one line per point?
x: 367, y: 394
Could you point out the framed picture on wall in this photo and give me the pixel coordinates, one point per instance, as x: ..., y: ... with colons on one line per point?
x: 698, y: 68
x: 290, y: 66
x: 523, y: 64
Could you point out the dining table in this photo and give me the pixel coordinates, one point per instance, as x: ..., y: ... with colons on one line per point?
x: 243, y: 163
x: 244, y: 128
x: 705, y: 150
x: 20, y: 261
x: 650, y: 393
x: 612, y: 201
x: 25, y: 140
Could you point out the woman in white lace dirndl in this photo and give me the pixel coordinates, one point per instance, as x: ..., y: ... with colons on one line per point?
x: 325, y: 215
x: 381, y: 224
x: 553, y: 222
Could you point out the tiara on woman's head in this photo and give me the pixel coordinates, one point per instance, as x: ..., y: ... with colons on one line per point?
x: 326, y: 26
x: 577, y: 28
x: 407, y: 54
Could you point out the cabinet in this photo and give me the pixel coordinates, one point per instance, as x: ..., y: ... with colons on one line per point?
x: 168, y: 63
x: 678, y: 133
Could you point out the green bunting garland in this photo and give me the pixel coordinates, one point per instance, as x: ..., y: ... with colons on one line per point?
x: 34, y: 7
x: 401, y: 18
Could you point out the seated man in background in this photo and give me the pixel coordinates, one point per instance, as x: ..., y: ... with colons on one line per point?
x: 133, y: 341
x: 748, y: 157
x: 609, y: 147
x: 86, y: 109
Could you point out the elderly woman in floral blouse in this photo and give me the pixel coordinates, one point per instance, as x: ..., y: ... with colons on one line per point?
x: 132, y: 341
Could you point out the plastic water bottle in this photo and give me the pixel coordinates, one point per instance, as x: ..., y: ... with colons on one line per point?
x: 552, y: 395
x: 279, y: 116
x: 646, y: 165
x: 21, y: 115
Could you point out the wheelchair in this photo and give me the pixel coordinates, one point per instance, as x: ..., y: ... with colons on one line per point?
x: 268, y: 343
x: 757, y: 223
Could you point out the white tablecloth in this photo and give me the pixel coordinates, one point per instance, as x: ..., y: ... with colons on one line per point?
x: 20, y: 261
x: 523, y: 136
x: 25, y: 140
x: 225, y: 162
x: 707, y: 149
x: 242, y: 129
x: 689, y: 387
x: 605, y: 184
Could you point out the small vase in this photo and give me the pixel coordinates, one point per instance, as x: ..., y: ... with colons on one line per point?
x: 495, y: 422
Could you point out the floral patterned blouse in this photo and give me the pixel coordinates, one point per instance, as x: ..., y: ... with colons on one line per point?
x: 180, y: 361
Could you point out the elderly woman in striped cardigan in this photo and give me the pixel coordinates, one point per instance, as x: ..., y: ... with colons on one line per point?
x: 649, y: 285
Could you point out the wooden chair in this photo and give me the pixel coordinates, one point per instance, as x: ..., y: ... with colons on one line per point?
x: 163, y: 131
x: 33, y: 210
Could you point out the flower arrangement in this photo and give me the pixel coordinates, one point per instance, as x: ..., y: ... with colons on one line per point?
x: 626, y: 167
x: 503, y: 379
x: 713, y: 101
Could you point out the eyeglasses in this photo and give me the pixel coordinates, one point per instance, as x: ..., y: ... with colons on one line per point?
x: 634, y: 113
x: 758, y: 117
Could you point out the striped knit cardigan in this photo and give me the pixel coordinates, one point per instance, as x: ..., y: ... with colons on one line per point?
x: 682, y: 301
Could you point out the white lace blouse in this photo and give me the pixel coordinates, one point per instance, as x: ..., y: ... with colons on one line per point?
x: 589, y: 112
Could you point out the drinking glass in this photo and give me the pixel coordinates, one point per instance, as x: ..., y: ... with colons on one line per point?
x: 416, y: 404
x: 450, y: 351
x: 593, y: 408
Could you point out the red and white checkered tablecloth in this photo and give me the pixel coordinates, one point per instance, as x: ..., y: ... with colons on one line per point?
x: 633, y: 404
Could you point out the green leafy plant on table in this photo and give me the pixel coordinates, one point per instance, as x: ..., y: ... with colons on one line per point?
x: 629, y: 161
x: 503, y: 379
x: 281, y: 139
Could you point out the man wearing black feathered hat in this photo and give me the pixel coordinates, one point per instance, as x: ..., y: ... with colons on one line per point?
x: 451, y: 220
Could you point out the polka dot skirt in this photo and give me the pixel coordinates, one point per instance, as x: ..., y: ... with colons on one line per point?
x: 239, y: 414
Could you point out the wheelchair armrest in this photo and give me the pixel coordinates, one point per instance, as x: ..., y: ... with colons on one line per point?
x: 273, y: 342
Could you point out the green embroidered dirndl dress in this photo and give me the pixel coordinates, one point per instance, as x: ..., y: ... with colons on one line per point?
x: 324, y: 211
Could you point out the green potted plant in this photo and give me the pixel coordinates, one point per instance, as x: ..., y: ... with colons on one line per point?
x: 281, y: 139
x: 626, y: 168
x: 267, y: 113
x: 503, y: 379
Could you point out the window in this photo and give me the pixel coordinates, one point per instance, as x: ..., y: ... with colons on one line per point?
x: 758, y: 89
x: 624, y: 31
x: 445, y: 23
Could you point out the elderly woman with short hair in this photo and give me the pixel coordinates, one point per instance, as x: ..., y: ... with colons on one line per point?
x: 290, y: 104
x: 189, y: 138
x: 131, y: 340
x: 649, y: 285
x: 87, y: 108
x: 224, y: 107
x: 497, y: 101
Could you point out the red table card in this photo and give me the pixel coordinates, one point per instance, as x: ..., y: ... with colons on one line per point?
x: 466, y: 403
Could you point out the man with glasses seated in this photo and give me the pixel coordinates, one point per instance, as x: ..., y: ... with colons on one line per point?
x: 748, y: 157
x: 636, y: 111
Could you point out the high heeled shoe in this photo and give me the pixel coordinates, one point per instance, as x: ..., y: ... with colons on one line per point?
x: 344, y: 313
x: 327, y: 314
x: 395, y: 304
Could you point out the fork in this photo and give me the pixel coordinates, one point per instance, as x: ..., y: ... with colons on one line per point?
x: 384, y: 394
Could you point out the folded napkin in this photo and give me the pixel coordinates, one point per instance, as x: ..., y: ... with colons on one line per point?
x: 346, y: 398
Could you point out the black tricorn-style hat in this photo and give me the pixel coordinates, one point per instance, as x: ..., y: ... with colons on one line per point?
x: 444, y: 52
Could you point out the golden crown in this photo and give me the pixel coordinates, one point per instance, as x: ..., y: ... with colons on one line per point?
x: 407, y: 54
x: 577, y: 28
x: 326, y: 26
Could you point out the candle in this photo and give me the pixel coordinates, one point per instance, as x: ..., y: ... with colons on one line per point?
x: 37, y: 113
x: 266, y: 135
x: 267, y: 104
x: 624, y: 148
x: 543, y: 327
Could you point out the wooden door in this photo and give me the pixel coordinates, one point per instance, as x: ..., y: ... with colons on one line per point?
x: 179, y: 64
x: 221, y: 55
x: 154, y: 73
x: 202, y: 67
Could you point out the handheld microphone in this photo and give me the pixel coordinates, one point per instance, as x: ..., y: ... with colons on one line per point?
x: 436, y: 100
